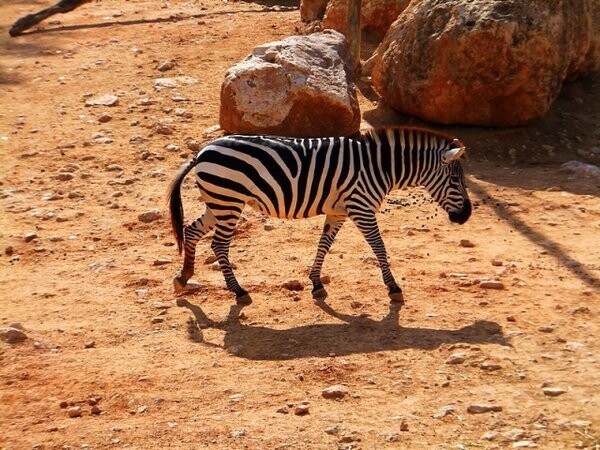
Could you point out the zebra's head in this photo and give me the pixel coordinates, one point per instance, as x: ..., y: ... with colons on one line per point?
x: 447, y: 183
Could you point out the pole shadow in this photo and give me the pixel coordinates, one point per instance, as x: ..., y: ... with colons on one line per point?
x: 357, y: 334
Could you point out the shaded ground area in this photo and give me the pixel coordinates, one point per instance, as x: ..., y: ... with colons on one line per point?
x: 91, y: 284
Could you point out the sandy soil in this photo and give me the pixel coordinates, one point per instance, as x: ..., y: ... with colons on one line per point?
x: 92, y: 285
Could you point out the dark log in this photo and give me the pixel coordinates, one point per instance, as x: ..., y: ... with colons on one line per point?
x: 28, y: 21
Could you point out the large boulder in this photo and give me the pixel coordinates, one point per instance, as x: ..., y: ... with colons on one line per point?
x: 300, y: 86
x: 484, y: 62
x: 376, y: 16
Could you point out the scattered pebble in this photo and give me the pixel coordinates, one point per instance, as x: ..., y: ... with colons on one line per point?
x: 104, y: 118
x: 302, y: 409
x: 456, y: 358
x: 293, y: 285
x: 553, y: 391
x: 90, y: 344
x: 337, y: 391
x: 496, y: 262
x: 75, y: 411
x: 466, y: 243
x: 30, y: 237
x: 162, y: 261
x: 489, y: 367
x: 283, y: 410
x: 95, y: 410
x: 516, y: 434
x: 165, y: 65
x: 489, y: 435
x: 546, y: 329
x: 445, y: 411
x: 483, y: 408
x: 103, y: 100
x: 491, y: 284
x: 149, y: 216
x: 12, y: 335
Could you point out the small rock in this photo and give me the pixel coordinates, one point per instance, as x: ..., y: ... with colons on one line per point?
x: 337, y: 391
x: 553, y: 391
x: 546, y: 329
x: 483, y: 408
x: 325, y: 279
x: 165, y: 130
x: 165, y: 65
x: 90, y: 344
x: 490, y: 367
x: 516, y: 434
x: 237, y: 433
x: 75, y: 411
x: 332, y: 430
x: 12, y: 335
x: 496, y: 262
x: 158, y: 319
x: 104, y: 118
x: 456, y: 358
x: 283, y: 410
x: 114, y: 168
x: 466, y: 243
x: 64, y: 176
x: 445, y: 411
x: 172, y: 148
x: 268, y: 227
x: 489, y: 435
x: 103, y: 100
x: 162, y: 261
x: 391, y: 437
x: 301, y: 410
x: 30, y: 237
x: 511, y: 319
x: 8, y: 251
x: 293, y: 285
x: 149, y: 216
x: 491, y: 284
x: 95, y: 410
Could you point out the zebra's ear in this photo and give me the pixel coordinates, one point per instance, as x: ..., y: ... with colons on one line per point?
x: 452, y: 154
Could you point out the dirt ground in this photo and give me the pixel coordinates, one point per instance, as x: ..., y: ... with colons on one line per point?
x: 92, y: 285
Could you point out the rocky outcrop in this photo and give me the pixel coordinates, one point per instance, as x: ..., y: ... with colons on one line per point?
x: 376, y: 15
x: 312, y: 9
x: 296, y: 87
x: 484, y: 62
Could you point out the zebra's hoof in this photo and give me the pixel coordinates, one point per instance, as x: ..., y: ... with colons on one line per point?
x: 395, y: 294
x: 319, y: 293
x: 178, y: 285
x: 243, y: 299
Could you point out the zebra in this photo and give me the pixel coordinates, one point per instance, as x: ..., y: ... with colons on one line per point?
x: 293, y: 178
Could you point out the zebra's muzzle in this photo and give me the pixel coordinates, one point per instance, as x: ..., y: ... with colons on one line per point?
x: 462, y: 215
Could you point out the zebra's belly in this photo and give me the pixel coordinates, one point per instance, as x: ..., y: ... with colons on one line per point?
x: 327, y: 209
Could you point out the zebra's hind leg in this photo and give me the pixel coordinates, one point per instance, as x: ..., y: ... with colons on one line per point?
x: 330, y: 229
x: 366, y: 222
x: 225, y: 228
x: 192, y: 233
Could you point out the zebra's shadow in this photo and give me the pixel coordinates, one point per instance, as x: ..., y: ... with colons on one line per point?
x: 355, y: 335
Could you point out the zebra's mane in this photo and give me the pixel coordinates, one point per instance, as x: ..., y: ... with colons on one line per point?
x: 379, y: 131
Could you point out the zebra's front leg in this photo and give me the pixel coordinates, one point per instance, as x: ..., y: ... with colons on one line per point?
x: 192, y: 234
x: 330, y: 230
x: 220, y: 245
x: 366, y: 222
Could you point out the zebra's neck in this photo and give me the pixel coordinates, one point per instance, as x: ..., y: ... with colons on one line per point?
x: 405, y: 155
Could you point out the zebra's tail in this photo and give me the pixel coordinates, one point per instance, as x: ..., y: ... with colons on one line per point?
x: 175, y: 204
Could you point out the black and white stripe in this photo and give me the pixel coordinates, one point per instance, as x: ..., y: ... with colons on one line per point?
x: 296, y: 178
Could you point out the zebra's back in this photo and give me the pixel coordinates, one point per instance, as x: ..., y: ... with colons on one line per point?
x: 283, y: 177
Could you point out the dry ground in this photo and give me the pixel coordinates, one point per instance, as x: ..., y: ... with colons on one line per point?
x: 207, y: 375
